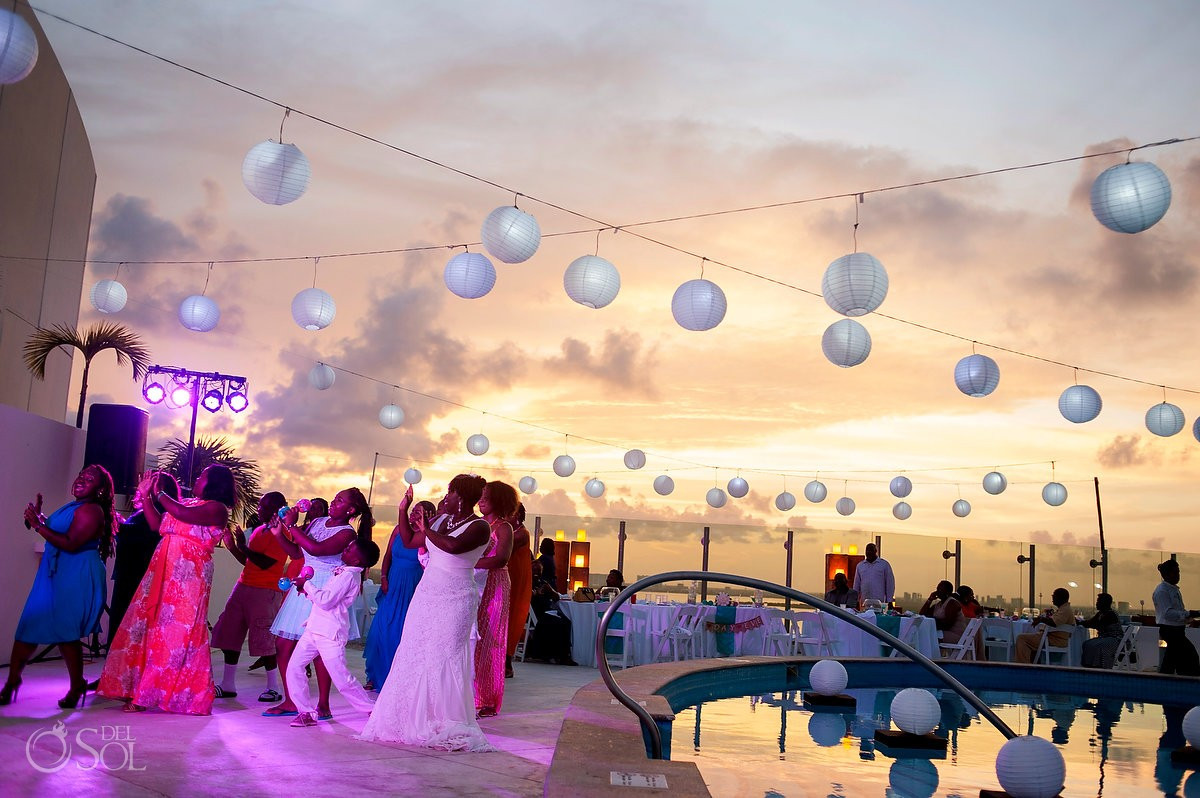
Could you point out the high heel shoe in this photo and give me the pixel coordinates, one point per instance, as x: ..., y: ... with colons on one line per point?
x: 9, y: 693
x: 74, y: 696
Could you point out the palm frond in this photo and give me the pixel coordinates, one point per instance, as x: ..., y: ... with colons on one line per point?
x: 210, y: 450
x: 123, y: 341
x: 44, y: 341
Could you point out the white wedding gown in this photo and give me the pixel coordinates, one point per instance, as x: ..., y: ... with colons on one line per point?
x: 428, y: 698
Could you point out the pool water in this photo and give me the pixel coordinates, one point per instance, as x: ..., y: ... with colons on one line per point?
x: 770, y: 745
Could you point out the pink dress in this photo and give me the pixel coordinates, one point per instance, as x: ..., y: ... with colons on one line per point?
x: 492, y: 623
x: 160, y: 655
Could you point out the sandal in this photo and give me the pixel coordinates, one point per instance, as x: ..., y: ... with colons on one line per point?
x: 132, y: 707
x: 486, y: 712
x: 271, y: 696
x: 326, y: 716
x: 304, y: 720
x: 282, y: 713
x: 222, y: 693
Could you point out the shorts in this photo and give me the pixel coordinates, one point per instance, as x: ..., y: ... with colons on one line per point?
x: 249, y: 611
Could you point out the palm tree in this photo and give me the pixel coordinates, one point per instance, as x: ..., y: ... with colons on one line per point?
x: 173, y: 458
x: 106, y: 335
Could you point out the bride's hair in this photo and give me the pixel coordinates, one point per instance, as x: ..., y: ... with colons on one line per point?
x: 469, y: 488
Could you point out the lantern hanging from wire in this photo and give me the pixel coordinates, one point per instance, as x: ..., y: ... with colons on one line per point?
x: 994, y: 482
x: 391, y: 416
x: 902, y: 511
x: 664, y: 485
x: 900, y: 486
x: 592, y: 281
x: 815, y: 491
x: 594, y: 488
x: 412, y: 476
x: 1164, y: 419
x: 976, y: 375
x: 846, y: 343
x: 511, y: 235
x: 1131, y: 197
x: 313, y: 309
x: 785, y: 501
x: 715, y: 497
x: 108, y: 296
x: 478, y: 444
x: 635, y: 459
x: 738, y: 487
x: 564, y: 465
x: 527, y: 484
x: 1079, y: 404
x: 845, y: 506
x: 1054, y: 494
x: 961, y: 508
x: 321, y: 377
x: 276, y: 173
x: 18, y: 47
x: 199, y: 313
x: 698, y: 305
x: 469, y: 275
x: 855, y: 284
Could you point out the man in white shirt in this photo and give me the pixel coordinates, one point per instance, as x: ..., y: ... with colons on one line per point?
x: 1172, y: 617
x: 873, y: 578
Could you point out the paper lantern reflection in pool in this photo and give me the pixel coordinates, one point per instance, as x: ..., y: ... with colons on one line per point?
x: 738, y: 487
x: 510, y: 234
x: 313, y: 309
x: 1191, y: 727
x: 321, y: 377
x: 698, y: 305
x: 18, y: 47
x: 828, y: 677
x: 715, y: 497
x: 592, y: 281
x: 816, y: 491
x: 564, y: 465
x: 846, y: 343
x: 469, y: 275
x: 527, y: 485
x: 1079, y: 404
x: 1031, y: 767
x: 1164, y: 419
x: 276, y: 173
x: 826, y: 728
x: 1054, y: 494
x: 635, y: 459
x: 915, y: 711
x: 412, y: 476
x: 478, y: 444
x: 594, y: 488
x: 391, y: 416
x: 785, y: 501
x: 199, y: 313
x: 845, y: 506
x: 976, y: 375
x: 1131, y: 197
x: 913, y: 778
x: 901, y: 486
x: 994, y: 482
x: 108, y: 296
x: 902, y: 511
x: 664, y: 485
x: 961, y: 508
x: 855, y: 284
x: 1196, y: 428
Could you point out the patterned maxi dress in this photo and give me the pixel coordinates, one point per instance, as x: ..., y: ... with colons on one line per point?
x: 160, y: 656
x: 492, y: 622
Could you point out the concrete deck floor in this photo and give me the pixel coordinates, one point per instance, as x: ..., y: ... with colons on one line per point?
x: 237, y: 752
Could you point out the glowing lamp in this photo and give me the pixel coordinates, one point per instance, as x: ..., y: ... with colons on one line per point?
x: 900, y: 487
x: 592, y: 281
x: 846, y: 343
x: 313, y: 309
x: 560, y: 534
x: 199, y: 313
x: 635, y: 459
x: 236, y: 400
x: 321, y: 377
x: 976, y: 375
x: 1079, y: 404
x: 738, y: 487
x: 527, y: 485
x: 785, y: 501
x: 107, y: 296
x: 1131, y: 197
x: 1164, y: 419
x: 576, y: 585
x: 18, y: 47
x: 715, y: 497
x: 154, y: 393
x: 581, y: 536
x: 469, y: 275
x: 1054, y: 494
x: 1030, y: 767
x: 902, y: 511
x: 478, y: 444
x: 837, y: 548
x: 815, y: 492
x: 276, y: 173
x: 564, y: 465
x: 511, y: 235
x: 412, y: 476
x: 698, y: 305
x: 828, y: 677
x: 916, y: 711
x: 181, y: 395
x: 994, y: 482
x: 580, y: 561
x: 212, y: 400
x: 391, y: 416
x: 664, y: 485
x: 845, y: 506
x: 594, y: 488
x: 961, y: 508
x: 855, y: 284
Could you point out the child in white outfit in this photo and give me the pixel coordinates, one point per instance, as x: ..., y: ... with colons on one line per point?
x: 326, y: 632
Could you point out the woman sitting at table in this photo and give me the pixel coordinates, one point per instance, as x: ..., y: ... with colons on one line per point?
x: 842, y: 594
x: 947, y: 612
x: 550, y: 639
x: 1100, y: 651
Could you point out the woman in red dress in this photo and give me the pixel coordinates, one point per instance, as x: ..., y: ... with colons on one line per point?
x: 498, y: 504
x: 160, y: 656
x: 520, y: 573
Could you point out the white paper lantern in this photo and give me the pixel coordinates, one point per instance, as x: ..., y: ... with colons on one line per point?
x: 635, y: 459
x: 976, y: 375
x: 511, y: 235
x: 845, y: 506
x: 828, y: 677
x: 107, y: 296
x: 276, y: 173
x: 1164, y: 419
x: 902, y: 511
x: 901, y: 486
x: 916, y: 711
x: 1054, y: 494
x: 391, y: 416
x: 592, y: 281
x: 715, y: 497
x: 738, y: 487
x: 1191, y: 727
x: 1031, y: 767
x: 961, y: 508
x: 815, y: 492
x: 18, y: 47
x: 1131, y: 197
x: 1079, y: 404
x: 469, y: 275
x: 564, y: 465
x: 594, y: 488
x: 527, y: 485
x: 913, y: 778
x: 199, y: 313
x: 826, y: 729
x: 664, y: 485
x: 994, y: 482
x: 855, y: 284
x: 698, y: 305
x: 321, y: 377
x: 1196, y: 428
x: 785, y: 501
x: 412, y: 476
x: 846, y: 343
x: 313, y: 309
x: 478, y: 444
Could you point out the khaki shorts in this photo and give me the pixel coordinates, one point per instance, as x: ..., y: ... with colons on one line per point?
x: 249, y: 611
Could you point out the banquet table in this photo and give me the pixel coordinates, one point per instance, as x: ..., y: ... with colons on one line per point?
x: 850, y: 641
x: 1148, y: 650
x: 1023, y: 626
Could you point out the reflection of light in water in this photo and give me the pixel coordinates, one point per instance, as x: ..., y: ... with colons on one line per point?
x: 826, y: 729
x: 913, y: 778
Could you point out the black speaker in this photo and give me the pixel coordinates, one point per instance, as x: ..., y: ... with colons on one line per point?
x: 116, y: 439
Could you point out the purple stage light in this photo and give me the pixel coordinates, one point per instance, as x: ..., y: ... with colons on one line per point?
x: 181, y: 396
x: 237, y: 401
x: 212, y: 400
x: 154, y: 393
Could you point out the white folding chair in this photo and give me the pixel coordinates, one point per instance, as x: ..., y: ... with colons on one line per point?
x: 1045, y: 649
x: 365, y: 606
x: 965, y: 644
x: 908, y: 635
x: 1126, y: 656
x: 998, y: 634
x: 780, y: 637
x: 679, y: 636
x: 810, y: 631
x: 629, y: 633
x: 523, y: 643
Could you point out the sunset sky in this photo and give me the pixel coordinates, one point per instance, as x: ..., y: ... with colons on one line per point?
x: 629, y: 112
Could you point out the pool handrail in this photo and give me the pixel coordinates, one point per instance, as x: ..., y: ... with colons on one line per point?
x: 651, y: 728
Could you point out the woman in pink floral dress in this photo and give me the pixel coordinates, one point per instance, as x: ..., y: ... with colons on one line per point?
x: 498, y: 504
x: 160, y: 655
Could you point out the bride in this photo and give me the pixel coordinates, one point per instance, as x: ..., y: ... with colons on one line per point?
x: 427, y: 698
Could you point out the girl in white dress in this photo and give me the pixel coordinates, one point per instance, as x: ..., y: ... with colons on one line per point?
x: 428, y: 699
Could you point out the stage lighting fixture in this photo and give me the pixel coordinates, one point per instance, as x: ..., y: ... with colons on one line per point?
x: 154, y: 392
x: 236, y: 398
x: 212, y: 400
x: 181, y: 396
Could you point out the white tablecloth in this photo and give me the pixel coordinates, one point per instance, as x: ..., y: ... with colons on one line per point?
x: 1148, y: 650
x: 1022, y: 626
x: 850, y: 641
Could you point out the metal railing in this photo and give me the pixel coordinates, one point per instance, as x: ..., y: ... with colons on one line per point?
x: 651, y: 728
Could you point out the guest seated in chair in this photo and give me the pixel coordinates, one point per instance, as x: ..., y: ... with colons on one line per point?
x: 1062, y: 617
x: 944, y: 606
x: 550, y: 639
x: 1100, y: 651
x: 842, y: 594
x: 615, y: 579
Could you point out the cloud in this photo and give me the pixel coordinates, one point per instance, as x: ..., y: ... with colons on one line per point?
x: 619, y: 361
x: 1123, y: 452
x: 1154, y: 544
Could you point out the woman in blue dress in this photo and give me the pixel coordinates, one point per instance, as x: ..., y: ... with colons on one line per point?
x: 69, y: 590
x: 401, y: 573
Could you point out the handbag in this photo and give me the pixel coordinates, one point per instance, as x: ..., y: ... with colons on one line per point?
x: 584, y: 594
